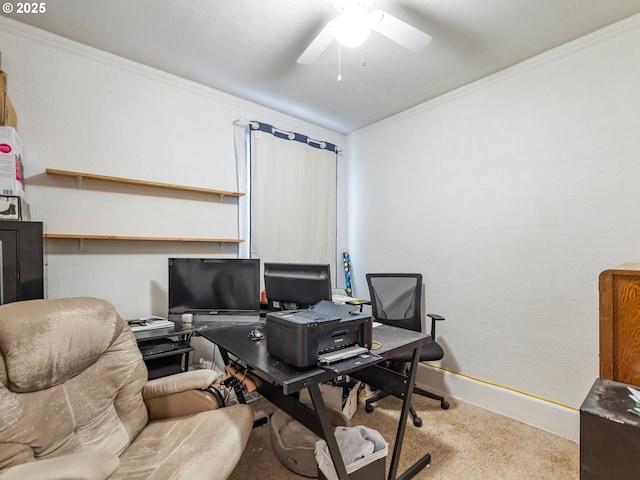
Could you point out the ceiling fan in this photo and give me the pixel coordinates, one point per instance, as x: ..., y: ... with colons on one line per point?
x: 354, y: 24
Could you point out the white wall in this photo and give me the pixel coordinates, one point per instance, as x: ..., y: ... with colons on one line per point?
x: 510, y: 196
x: 84, y: 110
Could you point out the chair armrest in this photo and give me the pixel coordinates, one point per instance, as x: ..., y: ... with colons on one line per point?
x: 434, y: 317
x: 77, y: 466
x: 182, y: 394
x: 180, y: 382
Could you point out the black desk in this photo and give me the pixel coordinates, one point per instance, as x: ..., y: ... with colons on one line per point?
x: 281, y: 380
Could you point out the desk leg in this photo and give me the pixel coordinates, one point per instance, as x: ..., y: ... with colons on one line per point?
x: 406, y: 405
x: 328, y: 429
x: 400, y: 386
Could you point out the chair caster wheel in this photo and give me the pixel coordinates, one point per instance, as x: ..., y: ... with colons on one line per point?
x: 368, y: 408
x: 444, y: 404
x: 417, y: 422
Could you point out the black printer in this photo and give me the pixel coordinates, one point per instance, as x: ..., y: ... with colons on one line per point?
x: 324, y: 332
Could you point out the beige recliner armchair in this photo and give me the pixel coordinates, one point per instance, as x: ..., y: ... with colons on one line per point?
x: 75, y: 402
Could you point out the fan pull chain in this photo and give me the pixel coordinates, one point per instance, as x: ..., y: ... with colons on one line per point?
x: 339, y: 63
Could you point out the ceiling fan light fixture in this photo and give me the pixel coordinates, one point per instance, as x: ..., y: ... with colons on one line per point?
x: 352, y: 27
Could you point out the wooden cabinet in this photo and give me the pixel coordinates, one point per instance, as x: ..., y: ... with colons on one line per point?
x: 21, y: 261
x: 620, y: 324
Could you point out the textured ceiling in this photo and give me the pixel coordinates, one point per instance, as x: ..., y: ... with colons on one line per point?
x: 248, y: 48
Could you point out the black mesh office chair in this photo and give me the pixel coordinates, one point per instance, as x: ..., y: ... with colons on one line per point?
x: 396, y: 300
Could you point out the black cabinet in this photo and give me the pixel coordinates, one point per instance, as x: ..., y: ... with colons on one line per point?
x: 21, y: 261
x: 609, y: 433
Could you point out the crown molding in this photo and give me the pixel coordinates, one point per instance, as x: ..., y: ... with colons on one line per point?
x: 92, y: 54
x: 550, y: 56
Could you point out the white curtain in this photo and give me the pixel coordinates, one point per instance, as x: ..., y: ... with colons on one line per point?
x: 293, y: 201
x: 241, y: 145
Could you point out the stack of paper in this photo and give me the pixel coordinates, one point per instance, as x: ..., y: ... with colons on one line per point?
x: 337, y: 298
x: 149, y: 323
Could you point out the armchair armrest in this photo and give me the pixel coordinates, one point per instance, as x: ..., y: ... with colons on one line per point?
x: 77, y: 466
x: 180, y: 382
x: 182, y: 394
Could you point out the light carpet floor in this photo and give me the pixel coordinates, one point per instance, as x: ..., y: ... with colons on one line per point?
x: 465, y: 442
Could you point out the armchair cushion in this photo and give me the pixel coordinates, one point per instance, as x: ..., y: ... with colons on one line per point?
x: 207, y: 445
x: 53, y: 362
x: 79, y: 466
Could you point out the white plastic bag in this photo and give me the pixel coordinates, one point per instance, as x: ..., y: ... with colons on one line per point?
x: 358, y: 446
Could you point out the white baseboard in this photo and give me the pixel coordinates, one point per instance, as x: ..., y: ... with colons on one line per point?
x: 547, y: 416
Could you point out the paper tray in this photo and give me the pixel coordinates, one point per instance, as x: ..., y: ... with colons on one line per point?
x: 353, y: 364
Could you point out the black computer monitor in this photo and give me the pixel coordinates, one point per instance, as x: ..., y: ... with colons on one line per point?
x: 296, y: 285
x: 214, y: 285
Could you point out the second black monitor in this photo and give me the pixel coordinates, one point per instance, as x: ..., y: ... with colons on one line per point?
x: 296, y: 285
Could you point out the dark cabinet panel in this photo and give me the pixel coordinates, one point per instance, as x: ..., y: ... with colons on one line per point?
x: 165, y: 351
x: 609, y: 434
x: 21, y: 260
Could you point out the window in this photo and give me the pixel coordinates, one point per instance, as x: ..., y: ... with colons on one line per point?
x: 291, y: 206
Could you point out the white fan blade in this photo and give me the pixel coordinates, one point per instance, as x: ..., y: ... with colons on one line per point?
x: 317, y: 46
x: 400, y: 32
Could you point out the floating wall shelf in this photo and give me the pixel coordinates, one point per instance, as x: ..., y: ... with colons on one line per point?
x: 65, y: 236
x: 79, y: 176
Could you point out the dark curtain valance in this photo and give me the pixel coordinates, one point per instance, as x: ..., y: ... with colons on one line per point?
x: 296, y: 137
